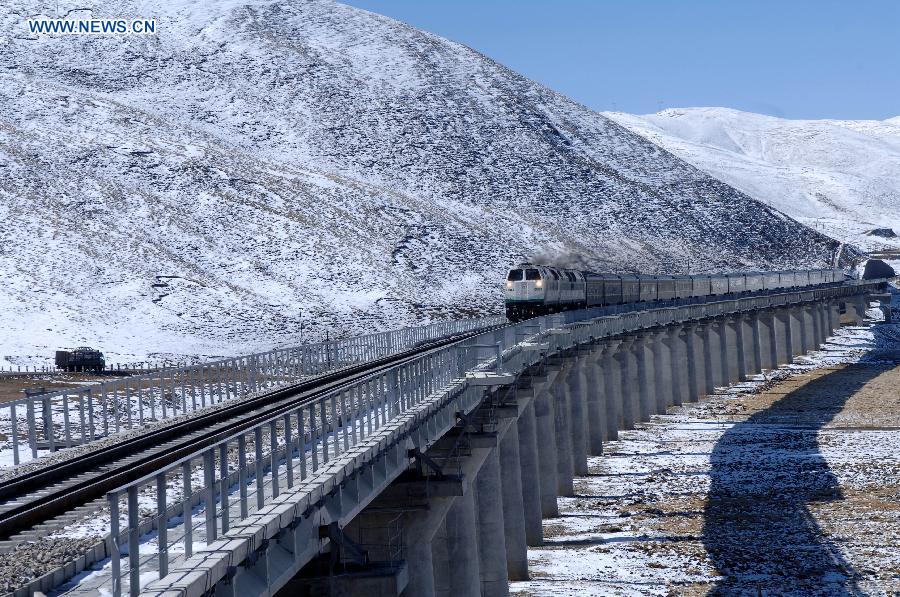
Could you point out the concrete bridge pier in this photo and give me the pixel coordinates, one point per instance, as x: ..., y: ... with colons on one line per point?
x: 514, y: 514
x: 662, y: 390
x: 712, y: 356
x: 611, y: 373
x: 695, y: 376
x: 629, y: 381
x: 825, y: 314
x: 724, y: 348
x: 813, y: 326
x: 440, y: 567
x: 730, y: 350
x: 853, y: 311
x: 565, y: 468
x: 576, y: 395
x: 741, y: 360
x: 834, y: 315
x: 752, y: 344
x: 768, y: 340
x: 595, y: 401
x: 824, y: 329
x: 795, y: 321
x: 675, y: 343
x: 705, y: 380
x: 784, y: 341
x: 530, y: 471
x: 807, y: 341
x: 462, y: 566
x: 546, y: 434
x: 491, y: 530
x: 809, y: 337
x: 818, y: 311
x: 820, y: 324
x: 643, y: 355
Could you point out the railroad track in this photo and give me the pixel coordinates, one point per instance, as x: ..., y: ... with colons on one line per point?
x: 44, y: 494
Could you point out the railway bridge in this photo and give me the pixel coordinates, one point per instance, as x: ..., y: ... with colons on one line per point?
x: 428, y: 471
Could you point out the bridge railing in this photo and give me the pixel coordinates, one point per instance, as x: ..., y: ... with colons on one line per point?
x: 202, y: 496
x: 299, y: 454
x: 40, y: 424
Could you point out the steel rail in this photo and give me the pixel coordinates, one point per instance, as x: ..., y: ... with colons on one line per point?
x: 112, y: 466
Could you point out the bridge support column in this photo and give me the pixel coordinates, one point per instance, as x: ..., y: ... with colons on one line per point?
x: 768, y: 339
x: 857, y: 305
x: 576, y: 389
x: 491, y: 528
x: 712, y: 356
x: 822, y: 318
x: 662, y: 372
x: 645, y: 364
x: 804, y: 320
x: 795, y: 319
x: 809, y: 323
x: 440, y: 568
x: 831, y: 322
x: 694, y: 370
x: 462, y: 548
x: 529, y: 462
x: 629, y: 381
x: 597, y: 427
x: 544, y: 417
x: 563, y: 433
x: 750, y: 338
x: 674, y: 339
x: 834, y: 315
x: 612, y: 388
x: 815, y: 330
x: 705, y: 378
x: 731, y: 353
x: 513, y: 505
x: 783, y: 335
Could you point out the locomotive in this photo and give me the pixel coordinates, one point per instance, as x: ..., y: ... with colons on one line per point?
x: 531, y: 290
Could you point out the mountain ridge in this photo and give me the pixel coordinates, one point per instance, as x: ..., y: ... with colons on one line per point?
x: 840, y: 176
x: 258, y: 165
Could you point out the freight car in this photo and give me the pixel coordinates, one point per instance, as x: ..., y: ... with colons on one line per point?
x: 532, y: 290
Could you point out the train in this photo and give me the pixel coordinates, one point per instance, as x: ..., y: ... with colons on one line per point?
x: 531, y: 290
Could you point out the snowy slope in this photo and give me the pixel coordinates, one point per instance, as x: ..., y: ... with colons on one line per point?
x: 258, y: 162
x: 841, y: 176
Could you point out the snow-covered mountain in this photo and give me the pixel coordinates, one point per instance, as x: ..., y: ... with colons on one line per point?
x: 839, y: 176
x: 257, y: 163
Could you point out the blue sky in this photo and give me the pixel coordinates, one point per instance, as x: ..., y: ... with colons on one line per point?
x: 790, y: 58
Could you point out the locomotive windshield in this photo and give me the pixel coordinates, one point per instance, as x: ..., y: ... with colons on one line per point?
x: 515, y: 275
x: 532, y: 274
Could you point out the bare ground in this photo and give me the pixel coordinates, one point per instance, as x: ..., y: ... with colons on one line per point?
x: 791, y: 488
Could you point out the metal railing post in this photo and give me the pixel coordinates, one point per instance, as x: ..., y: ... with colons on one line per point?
x: 14, y: 432
x: 187, y: 510
x: 162, y: 525
x: 134, y: 554
x: 114, y: 554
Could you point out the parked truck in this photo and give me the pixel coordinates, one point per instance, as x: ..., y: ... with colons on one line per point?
x: 83, y: 358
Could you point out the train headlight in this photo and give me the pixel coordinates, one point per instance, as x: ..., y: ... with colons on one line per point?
x: 509, y: 285
x: 539, y: 284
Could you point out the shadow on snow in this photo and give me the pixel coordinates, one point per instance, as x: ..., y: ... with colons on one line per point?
x: 765, y: 472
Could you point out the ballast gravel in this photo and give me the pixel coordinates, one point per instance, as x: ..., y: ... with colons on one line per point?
x: 29, y: 561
